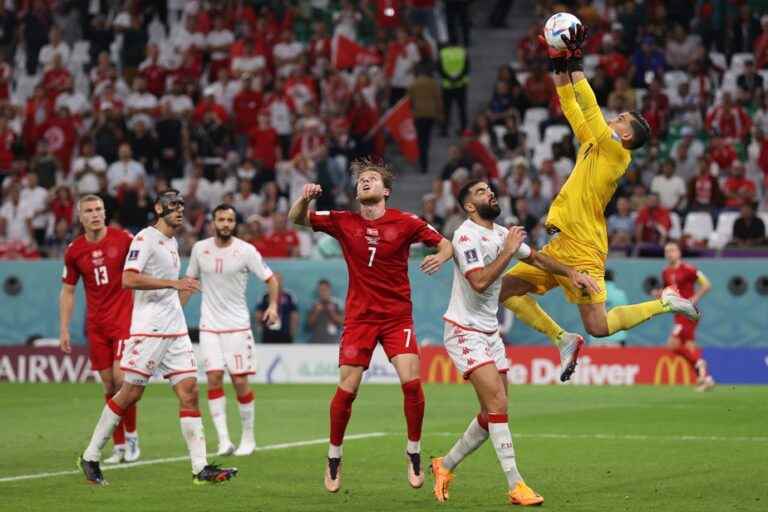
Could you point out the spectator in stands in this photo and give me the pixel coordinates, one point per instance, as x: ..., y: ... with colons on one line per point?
x: 287, y: 327
x: 539, y: 86
x: 427, y: 106
x: 722, y: 153
x: 647, y: 58
x: 682, y: 48
x: 518, y: 182
x: 144, y: 145
x: 612, y: 62
x: 525, y: 218
x: 15, y: 217
x: 35, y: 199
x: 686, y: 152
x: 283, y: 241
x: 453, y: 64
x: 738, y: 189
x: 669, y: 187
x: 530, y: 49
x: 246, y: 202
x: 126, y: 173
x: 55, y: 46
x: 401, y: 59
x: 538, y: 203
x: 748, y: 230
x: 56, y: 244
x: 744, y: 30
x: 728, y: 119
x: 132, y: 51
x: 750, y: 83
x: 761, y: 44
x: 45, y: 165
x: 704, y: 190
x: 502, y: 104
x: 653, y: 223
x: 627, y: 96
x: 326, y: 316
x: 621, y: 225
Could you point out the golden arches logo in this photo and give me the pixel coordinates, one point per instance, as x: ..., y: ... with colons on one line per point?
x: 671, y: 364
x: 441, y: 370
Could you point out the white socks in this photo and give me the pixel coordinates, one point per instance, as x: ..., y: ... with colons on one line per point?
x: 471, y: 440
x: 334, y: 452
x: 501, y: 438
x: 110, y: 417
x: 413, y: 446
x: 247, y: 415
x: 218, y: 408
x: 192, y: 430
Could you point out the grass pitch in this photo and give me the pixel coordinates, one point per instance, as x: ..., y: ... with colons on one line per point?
x: 582, y: 448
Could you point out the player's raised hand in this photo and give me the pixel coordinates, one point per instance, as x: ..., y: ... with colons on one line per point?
x: 515, y: 238
x: 311, y: 191
x: 188, y: 284
x: 270, y: 316
x: 65, y: 342
x: 575, y: 39
x: 585, y: 282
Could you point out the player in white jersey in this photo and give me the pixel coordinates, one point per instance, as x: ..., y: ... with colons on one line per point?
x: 482, y: 251
x: 223, y: 263
x: 158, y: 342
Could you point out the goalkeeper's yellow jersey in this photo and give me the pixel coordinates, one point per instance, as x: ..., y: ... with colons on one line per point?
x: 578, y: 209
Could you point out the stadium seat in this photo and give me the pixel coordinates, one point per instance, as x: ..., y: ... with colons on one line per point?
x: 764, y: 216
x: 725, y: 222
x: 738, y: 60
x: 764, y: 74
x: 534, y: 116
x: 522, y: 76
x: 698, y: 226
x: 676, y: 231
x: 674, y: 78
x: 590, y: 63
x: 555, y: 133
x: 729, y: 81
x: 639, y: 95
x: 718, y: 60
x: 531, y: 134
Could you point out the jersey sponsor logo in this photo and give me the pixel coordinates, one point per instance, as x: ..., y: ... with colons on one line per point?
x: 470, y: 256
x: 133, y: 255
x: 463, y: 238
x: 671, y: 364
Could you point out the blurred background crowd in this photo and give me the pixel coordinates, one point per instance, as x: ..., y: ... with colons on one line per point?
x: 243, y: 102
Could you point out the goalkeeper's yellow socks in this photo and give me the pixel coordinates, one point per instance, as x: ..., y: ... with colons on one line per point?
x: 530, y: 313
x: 622, y: 318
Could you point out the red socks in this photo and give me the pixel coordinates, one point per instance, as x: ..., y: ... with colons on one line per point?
x: 482, y: 420
x: 246, y: 399
x: 497, y: 418
x: 690, y: 353
x: 341, y: 411
x: 413, y: 406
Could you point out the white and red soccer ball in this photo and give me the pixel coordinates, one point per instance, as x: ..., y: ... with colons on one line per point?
x: 558, y: 25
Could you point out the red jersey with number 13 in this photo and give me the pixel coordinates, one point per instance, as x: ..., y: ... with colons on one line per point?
x: 376, y: 252
x: 683, y: 277
x: 100, y: 264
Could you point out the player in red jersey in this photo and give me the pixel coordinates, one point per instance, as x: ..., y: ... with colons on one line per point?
x: 684, y: 277
x: 376, y: 245
x: 99, y: 256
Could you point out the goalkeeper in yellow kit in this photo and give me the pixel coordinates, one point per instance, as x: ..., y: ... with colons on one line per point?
x: 577, y: 221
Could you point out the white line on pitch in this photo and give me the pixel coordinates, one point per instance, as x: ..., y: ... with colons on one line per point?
x: 625, y: 437
x: 279, y: 446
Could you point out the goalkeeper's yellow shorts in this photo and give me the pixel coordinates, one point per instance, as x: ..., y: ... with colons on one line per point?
x: 574, y: 254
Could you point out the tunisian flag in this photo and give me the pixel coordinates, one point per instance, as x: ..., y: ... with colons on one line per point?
x: 347, y: 54
x: 399, y: 123
x: 480, y: 152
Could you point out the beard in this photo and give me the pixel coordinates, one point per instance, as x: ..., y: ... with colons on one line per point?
x: 488, y: 211
x: 224, y: 236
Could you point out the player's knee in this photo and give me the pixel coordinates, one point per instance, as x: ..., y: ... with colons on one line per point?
x: 597, y: 330
x: 513, y: 287
x: 216, y: 380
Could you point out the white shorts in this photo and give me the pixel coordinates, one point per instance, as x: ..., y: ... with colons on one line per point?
x: 172, y: 357
x: 232, y: 351
x: 471, y: 349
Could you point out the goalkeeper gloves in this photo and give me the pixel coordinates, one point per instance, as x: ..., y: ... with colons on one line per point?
x: 574, y: 41
x: 558, y: 59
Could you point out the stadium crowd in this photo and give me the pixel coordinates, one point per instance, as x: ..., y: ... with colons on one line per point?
x: 240, y: 102
x: 697, y: 71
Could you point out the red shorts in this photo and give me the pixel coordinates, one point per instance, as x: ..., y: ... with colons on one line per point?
x: 103, y: 346
x: 358, y: 340
x: 685, y: 328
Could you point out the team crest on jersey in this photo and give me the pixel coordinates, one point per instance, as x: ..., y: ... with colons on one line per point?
x: 97, y: 254
x: 470, y: 256
x: 372, y: 236
x: 133, y: 255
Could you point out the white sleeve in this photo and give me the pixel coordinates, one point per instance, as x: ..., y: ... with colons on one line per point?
x: 469, y: 257
x: 257, y: 266
x: 523, y: 252
x: 193, y: 270
x: 139, y: 254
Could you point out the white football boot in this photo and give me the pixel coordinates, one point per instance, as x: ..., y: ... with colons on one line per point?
x: 225, y: 449
x: 132, y: 450
x: 247, y: 447
x: 118, y: 455
x: 672, y: 299
x: 570, y: 348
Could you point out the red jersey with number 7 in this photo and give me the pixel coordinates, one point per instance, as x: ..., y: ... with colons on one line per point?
x: 100, y: 264
x: 376, y: 252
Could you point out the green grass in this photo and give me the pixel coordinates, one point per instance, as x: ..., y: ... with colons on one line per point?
x: 582, y: 448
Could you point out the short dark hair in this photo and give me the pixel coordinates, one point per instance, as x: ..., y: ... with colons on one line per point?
x: 464, y: 191
x: 323, y: 281
x: 641, y: 131
x: 223, y: 207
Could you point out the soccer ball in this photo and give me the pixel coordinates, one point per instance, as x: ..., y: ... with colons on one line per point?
x: 557, y: 25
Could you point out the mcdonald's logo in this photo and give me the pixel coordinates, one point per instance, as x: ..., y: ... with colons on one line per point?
x: 671, y: 364
x: 441, y: 370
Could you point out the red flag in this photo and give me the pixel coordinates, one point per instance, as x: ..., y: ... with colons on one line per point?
x: 346, y: 54
x: 399, y: 123
x: 478, y: 151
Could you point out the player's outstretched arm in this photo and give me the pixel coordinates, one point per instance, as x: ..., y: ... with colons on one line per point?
x: 550, y: 264
x: 66, y: 306
x: 432, y: 263
x: 513, y: 247
x: 299, y: 212
x: 704, y: 287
